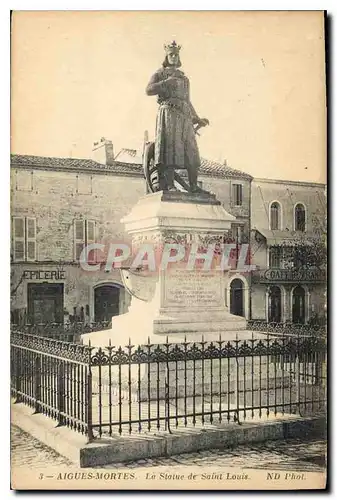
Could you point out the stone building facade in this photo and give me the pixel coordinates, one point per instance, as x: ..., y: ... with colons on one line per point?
x: 60, y: 204
x: 287, y: 217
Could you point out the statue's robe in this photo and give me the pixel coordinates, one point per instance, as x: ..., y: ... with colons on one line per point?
x: 175, y: 144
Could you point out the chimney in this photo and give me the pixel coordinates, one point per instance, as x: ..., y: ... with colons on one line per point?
x: 103, y: 152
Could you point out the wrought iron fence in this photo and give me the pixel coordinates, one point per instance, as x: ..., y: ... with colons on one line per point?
x: 285, y: 328
x: 68, y: 332
x: 155, y: 387
x: 53, y: 377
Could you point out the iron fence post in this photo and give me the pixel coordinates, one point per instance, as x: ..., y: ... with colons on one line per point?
x: 298, y: 375
x: 18, y: 369
x: 60, y: 393
x: 237, y: 387
x: 89, y: 404
x: 37, y: 382
x: 167, y: 390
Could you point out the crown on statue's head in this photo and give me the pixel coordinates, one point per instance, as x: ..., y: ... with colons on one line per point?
x: 172, y: 48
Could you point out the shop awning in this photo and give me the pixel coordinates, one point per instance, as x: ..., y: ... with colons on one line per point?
x: 278, y: 237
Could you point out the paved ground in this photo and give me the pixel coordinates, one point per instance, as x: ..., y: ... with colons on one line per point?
x: 25, y: 450
x: 292, y: 454
x: 286, y: 455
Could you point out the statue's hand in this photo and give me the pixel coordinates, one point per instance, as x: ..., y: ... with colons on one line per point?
x: 203, y: 122
x: 172, y: 81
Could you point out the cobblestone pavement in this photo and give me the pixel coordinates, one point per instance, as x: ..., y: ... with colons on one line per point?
x: 294, y: 454
x: 25, y: 450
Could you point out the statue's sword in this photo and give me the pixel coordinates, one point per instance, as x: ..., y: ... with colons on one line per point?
x: 197, y: 128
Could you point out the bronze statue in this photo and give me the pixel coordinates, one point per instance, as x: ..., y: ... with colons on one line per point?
x: 175, y: 146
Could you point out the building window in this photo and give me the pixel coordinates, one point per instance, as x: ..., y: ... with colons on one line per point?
x: 299, y: 217
x: 237, y: 233
x: 84, y: 235
x: 275, y: 257
x: 24, y: 239
x: 237, y: 194
x: 275, y: 216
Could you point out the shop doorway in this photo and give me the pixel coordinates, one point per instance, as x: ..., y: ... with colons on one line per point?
x: 275, y: 305
x: 45, y: 303
x: 299, y: 305
x: 236, y: 297
x: 106, y: 302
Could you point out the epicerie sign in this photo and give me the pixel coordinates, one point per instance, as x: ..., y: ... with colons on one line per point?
x: 44, y: 275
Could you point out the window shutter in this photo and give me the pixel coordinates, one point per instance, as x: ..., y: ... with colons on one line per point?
x: 275, y: 254
x: 237, y: 194
x: 19, y: 238
x: 276, y: 259
x: 237, y: 232
x: 234, y: 193
x: 90, y: 231
x: 240, y: 234
x: 91, y: 238
x: 78, y: 238
x: 240, y: 194
x: 79, y: 230
x: 31, y: 238
x: 19, y: 250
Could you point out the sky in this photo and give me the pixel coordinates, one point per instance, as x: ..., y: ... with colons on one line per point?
x: 259, y: 78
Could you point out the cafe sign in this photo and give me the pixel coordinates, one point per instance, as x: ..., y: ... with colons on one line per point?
x: 44, y: 275
x: 296, y: 275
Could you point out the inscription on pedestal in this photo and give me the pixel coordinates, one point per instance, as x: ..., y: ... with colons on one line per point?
x: 193, y: 289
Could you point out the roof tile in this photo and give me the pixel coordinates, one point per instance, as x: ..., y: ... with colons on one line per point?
x: 208, y: 167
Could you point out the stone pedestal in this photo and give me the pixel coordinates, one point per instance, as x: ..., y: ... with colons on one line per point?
x: 174, y: 301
